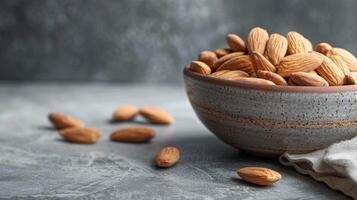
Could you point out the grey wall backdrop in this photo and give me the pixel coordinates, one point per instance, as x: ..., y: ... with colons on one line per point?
x: 147, y: 40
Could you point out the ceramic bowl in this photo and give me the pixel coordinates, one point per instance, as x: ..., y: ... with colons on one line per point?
x: 270, y: 120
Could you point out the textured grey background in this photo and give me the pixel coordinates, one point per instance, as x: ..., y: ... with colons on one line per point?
x: 147, y: 41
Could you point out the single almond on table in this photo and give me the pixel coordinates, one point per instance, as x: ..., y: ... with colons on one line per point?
x: 167, y: 157
x: 125, y: 113
x: 223, y: 59
x: 323, y: 47
x: 254, y: 81
x: 200, y: 67
x: 156, y: 116
x: 276, y: 48
x: 330, y: 72
x: 261, y: 63
x: 242, y: 63
x: 259, y: 175
x: 208, y: 57
x: 235, y: 42
x: 271, y: 76
x: 133, y: 134
x: 60, y: 121
x: 298, y: 43
x: 80, y: 135
x: 307, y: 79
x: 257, y: 40
x: 222, y: 52
x: 347, y: 57
x: 301, y: 62
x: 229, y: 75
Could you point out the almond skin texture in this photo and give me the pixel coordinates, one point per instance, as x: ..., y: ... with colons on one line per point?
x: 200, y: 67
x: 222, y: 52
x: 259, y: 175
x: 156, y: 116
x: 276, y: 48
x: 348, y: 57
x: 235, y: 42
x: 261, y: 63
x: 298, y: 43
x: 254, y: 81
x: 167, y: 157
x: 271, y: 76
x: 81, y: 135
x: 124, y: 113
x: 323, y: 48
x: 302, y: 62
x: 307, y: 79
x: 242, y: 63
x: 61, y: 121
x: 330, y: 72
x: 229, y: 75
x: 208, y: 57
x: 133, y: 135
x: 223, y: 59
x: 257, y: 40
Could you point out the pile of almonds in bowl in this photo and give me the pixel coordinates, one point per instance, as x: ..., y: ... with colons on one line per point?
x: 278, y: 60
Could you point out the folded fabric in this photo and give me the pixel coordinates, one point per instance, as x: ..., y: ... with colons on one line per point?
x: 335, y: 165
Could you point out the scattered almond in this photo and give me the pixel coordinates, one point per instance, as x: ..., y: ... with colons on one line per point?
x: 307, y: 79
x: 167, y: 157
x: 222, y: 52
x: 200, y: 67
x: 261, y: 63
x: 61, y: 121
x: 229, y: 75
x: 301, y: 62
x: 133, y: 134
x: 259, y: 175
x: 276, y: 48
x: 298, y: 43
x: 125, y: 113
x: 156, y: 116
x: 236, y: 43
x: 257, y: 40
x: 80, y: 135
x: 242, y: 63
x: 208, y: 57
x: 323, y: 48
x: 254, y: 81
x: 275, y: 78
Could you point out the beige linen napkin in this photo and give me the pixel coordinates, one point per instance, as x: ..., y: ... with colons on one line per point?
x: 335, y: 165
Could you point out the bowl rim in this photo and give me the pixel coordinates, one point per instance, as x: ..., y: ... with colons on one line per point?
x: 273, y: 88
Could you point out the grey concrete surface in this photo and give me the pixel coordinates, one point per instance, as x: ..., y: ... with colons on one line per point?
x: 135, y: 40
x: 36, y: 164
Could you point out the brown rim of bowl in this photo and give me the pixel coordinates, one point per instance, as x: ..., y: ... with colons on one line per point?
x: 274, y: 88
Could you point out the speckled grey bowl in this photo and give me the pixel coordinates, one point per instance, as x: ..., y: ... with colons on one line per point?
x: 270, y: 120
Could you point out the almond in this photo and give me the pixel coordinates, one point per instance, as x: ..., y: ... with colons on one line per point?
x: 200, y: 67
x: 223, y: 59
x: 330, y: 72
x: 323, y: 47
x: 259, y: 175
x: 307, y: 79
x: 337, y: 59
x: 242, y: 63
x: 167, y: 157
x: 125, y: 113
x: 208, y: 57
x: 229, y: 75
x: 235, y: 42
x: 80, y: 135
x: 347, y: 57
x: 60, y: 121
x: 222, y: 52
x: 156, y: 116
x: 276, y: 48
x: 133, y: 134
x: 298, y: 43
x: 254, y: 81
x: 301, y: 62
x: 261, y: 63
x: 351, y: 78
x: 257, y: 40
x: 275, y: 78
